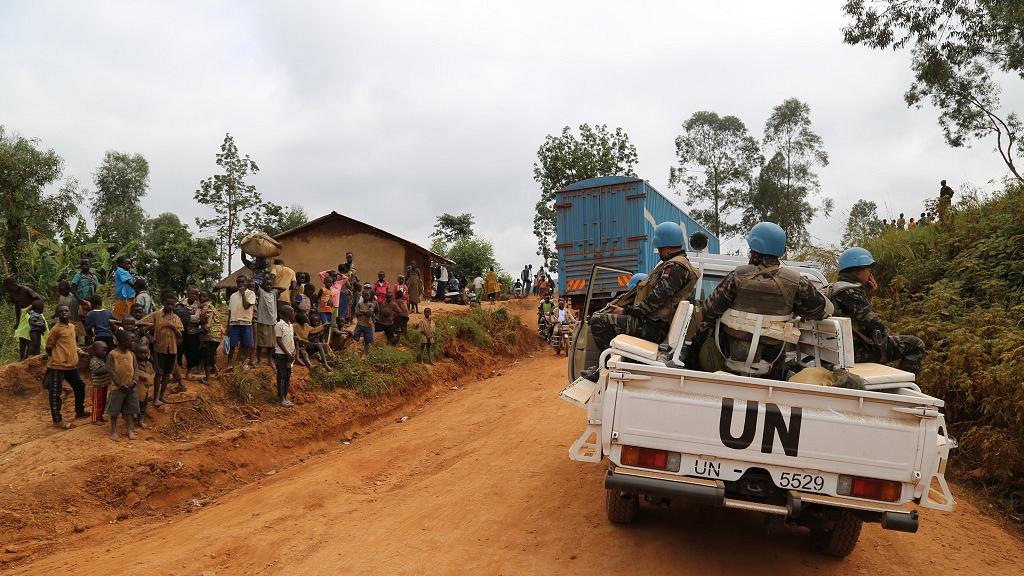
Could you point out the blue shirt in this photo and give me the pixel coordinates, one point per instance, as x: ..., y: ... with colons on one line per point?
x: 98, y: 322
x: 122, y: 289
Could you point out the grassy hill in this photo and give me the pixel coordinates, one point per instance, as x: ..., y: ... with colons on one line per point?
x: 960, y: 287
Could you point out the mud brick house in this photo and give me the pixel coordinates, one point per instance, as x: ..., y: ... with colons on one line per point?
x: 321, y: 244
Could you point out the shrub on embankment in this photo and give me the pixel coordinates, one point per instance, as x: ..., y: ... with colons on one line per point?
x: 959, y: 286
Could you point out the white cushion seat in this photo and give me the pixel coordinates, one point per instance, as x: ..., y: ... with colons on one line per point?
x: 637, y: 346
x: 874, y: 373
x: 647, y: 352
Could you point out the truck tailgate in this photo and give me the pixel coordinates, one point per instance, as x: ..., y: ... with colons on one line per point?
x: 724, y: 418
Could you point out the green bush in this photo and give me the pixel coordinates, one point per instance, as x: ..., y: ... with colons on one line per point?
x: 959, y: 286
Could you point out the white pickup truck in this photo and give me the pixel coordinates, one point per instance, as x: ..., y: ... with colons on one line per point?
x: 824, y: 458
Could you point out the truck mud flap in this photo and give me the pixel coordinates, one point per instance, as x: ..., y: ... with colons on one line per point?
x: 686, y: 489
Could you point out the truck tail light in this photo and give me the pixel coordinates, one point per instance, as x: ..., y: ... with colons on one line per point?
x: 650, y: 458
x: 870, y: 488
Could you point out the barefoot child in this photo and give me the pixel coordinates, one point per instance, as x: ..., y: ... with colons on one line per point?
x: 100, y: 380
x: 315, y: 339
x: 213, y: 333
x: 426, y: 328
x: 147, y: 376
x: 62, y: 350
x: 284, y: 352
x: 37, y: 328
x: 124, y: 377
x: 168, y: 332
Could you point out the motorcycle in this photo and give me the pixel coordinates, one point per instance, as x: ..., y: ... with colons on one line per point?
x: 562, y: 340
x: 542, y: 327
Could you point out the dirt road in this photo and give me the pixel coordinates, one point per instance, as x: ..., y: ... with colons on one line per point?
x: 479, y: 483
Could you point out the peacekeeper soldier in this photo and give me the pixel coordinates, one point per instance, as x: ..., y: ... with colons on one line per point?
x: 872, y: 341
x: 751, y: 311
x: 648, y: 313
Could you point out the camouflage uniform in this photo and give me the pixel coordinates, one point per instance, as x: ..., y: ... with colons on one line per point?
x: 654, y: 304
x: 766, y: 287
x: 872, y: 341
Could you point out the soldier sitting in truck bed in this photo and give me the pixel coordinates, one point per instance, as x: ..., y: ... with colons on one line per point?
x: 649, y: 313
x: 872, y: 341
x: 752, y: 309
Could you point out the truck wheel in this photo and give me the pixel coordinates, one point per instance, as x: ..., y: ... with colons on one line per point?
x: 841, y: 539
x: 621, y: 507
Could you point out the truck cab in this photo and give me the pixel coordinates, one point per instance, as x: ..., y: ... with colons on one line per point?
x: 802, y: 452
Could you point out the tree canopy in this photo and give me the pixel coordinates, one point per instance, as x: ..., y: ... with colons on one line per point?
x: 28, y: 210
x: 716, y: 156
x: 568, y: 158
x: 174, y: 258
x: 960, y: 52
x: 451, y: 227
x: 121, y: 181
x: 862, y: 223
x: 230, y: 197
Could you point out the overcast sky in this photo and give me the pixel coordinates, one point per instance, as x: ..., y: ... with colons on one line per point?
x: 393, y: 112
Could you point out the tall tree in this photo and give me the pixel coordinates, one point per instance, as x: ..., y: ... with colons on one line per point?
x: 789, y: 180
x: 451, y: 227
x: 769, y: 200
x: 862, y: 223
x: 174, y: 258
x: 230, y: 197
x: 959, y: 50
x: 716, y: 156
x: 566, y: 158
x: 121, y: 182
x: 272, y: 219
x: 472, y: 255
x: 26, y: 209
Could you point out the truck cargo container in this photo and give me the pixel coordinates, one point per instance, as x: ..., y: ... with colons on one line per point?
x: 609, y: 221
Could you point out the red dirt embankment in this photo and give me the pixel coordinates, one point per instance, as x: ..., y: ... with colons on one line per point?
x: 56, y: 483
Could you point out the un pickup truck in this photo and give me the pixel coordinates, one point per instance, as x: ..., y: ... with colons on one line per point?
x: 816, y: 456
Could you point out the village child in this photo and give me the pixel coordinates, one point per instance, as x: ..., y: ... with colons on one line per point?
x: 100, y: 381
x: 122, y: 400
x: 284, y: 353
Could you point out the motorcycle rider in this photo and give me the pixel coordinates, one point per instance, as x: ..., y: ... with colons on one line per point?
x: 872, y: 341
x: 750, y: 313
x: 558, y: 318
x: 543, y: 310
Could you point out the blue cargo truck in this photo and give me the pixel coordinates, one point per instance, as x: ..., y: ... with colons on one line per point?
x: 609, y: 221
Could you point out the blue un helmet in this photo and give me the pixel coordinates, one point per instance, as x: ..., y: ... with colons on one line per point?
x: 767, y: 238
x: 668, y: 235
x: 636, y: 279
x: 855, y: 258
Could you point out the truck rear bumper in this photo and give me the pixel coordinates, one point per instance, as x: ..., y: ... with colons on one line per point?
x: 712, y: 493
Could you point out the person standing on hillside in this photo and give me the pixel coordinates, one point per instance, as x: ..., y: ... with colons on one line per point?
x: 21, y: 296
x: 492, y: 287
x: 240, y: 311
x: 415, y: 280
x: 284, y: 282
x: 945, y: 200
x: 168, y: 332
x: 124, y: 287
x: 366, y: 312
x: 872, y: 342
x: 442, y: 282
x: 84, y: 284
x: 266, y: 317
x: 527, y: 277
x: 901, y: 222
x: 62, y: 364
x: 426, y: 329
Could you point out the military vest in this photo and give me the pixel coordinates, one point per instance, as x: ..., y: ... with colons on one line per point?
x: 645, y: 287
x: 767, y: 290
x: 761, y: 315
